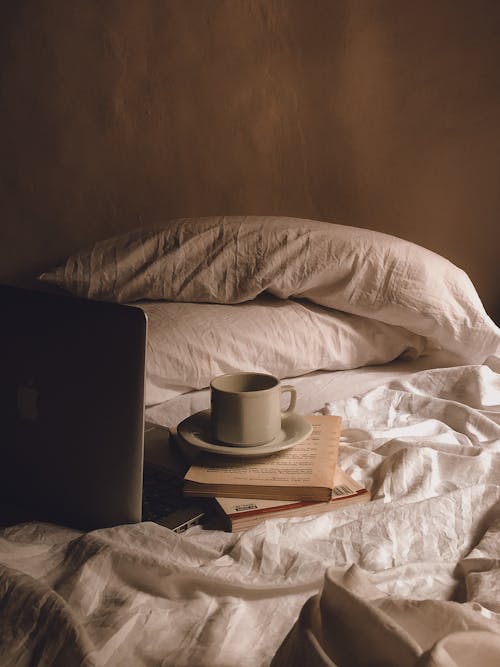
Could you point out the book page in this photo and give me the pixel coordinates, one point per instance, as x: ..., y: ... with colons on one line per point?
x: 309, y: 463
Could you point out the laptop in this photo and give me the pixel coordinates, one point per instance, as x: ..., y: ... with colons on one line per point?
x: 72, y: 443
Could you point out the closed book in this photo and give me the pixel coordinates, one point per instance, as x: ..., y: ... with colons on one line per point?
x: 304, y: 472
x: 240, y: 514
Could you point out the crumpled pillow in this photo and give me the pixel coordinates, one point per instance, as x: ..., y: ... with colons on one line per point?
x: 353, y: 624
x: 233, y: 259
x: 189, y: 344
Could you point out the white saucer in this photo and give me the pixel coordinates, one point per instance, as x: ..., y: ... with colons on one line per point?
x: 196, y: 430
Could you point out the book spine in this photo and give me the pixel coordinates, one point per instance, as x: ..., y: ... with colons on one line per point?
x: 296, y: 505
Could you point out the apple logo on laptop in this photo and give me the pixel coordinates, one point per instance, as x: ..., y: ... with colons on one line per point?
x: 27, y: 401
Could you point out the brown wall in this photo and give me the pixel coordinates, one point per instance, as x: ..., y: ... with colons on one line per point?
x: 123, y: 113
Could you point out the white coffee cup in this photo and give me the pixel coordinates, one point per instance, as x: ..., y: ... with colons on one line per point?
x: 246, y: 408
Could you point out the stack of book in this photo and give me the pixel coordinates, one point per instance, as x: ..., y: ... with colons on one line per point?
x: 302, y: 481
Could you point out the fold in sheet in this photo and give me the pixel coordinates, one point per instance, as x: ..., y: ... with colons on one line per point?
x: 352, y: 623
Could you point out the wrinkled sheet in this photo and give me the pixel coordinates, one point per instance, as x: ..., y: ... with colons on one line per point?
x: 428, y: 446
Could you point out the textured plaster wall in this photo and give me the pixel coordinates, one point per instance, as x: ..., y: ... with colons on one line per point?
x: 383, y: 114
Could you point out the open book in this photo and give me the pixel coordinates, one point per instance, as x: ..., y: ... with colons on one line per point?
x: 238, y: 514
x: 304, y: 472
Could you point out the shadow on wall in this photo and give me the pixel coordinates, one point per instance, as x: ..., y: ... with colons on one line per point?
x: 123, y: 114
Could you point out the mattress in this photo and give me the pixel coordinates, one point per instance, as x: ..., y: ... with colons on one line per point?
x: 422, y: 555
x: 314, y: 389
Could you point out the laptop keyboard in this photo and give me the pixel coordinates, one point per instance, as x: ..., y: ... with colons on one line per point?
x: 161, y: 493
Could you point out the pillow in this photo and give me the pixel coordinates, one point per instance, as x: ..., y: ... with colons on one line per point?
x: 233, y: 259
x: 189, y: 344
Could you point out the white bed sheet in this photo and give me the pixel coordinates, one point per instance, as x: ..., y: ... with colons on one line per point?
x: 427, y: 442
x: 313, y: 390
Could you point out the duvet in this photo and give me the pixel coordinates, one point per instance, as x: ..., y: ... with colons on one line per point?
x: 409, y: 575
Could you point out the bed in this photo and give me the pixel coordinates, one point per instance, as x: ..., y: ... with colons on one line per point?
x: 389, y: 336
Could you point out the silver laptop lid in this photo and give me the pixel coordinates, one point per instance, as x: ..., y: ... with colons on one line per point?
x: 72, y: 402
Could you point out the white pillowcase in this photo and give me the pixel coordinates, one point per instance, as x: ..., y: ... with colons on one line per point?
x: 233, y: 259
x: 189, y: 344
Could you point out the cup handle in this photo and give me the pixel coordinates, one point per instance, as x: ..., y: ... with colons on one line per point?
x: 293, y: 397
